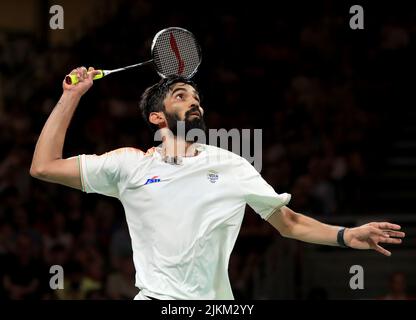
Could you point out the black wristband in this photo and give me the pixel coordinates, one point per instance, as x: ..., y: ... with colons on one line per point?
x: 340, y: 238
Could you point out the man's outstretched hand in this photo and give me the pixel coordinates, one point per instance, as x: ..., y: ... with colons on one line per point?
x: 371, y: 235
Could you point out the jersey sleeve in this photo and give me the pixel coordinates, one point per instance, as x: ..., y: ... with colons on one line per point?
x: 103, y: 174
x: 257, y: 193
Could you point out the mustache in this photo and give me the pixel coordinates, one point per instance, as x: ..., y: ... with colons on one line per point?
x: 193, y: 110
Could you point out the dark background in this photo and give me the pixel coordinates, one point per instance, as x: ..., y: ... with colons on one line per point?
x: 335, y: 106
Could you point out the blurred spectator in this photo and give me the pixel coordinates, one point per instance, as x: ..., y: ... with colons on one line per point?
x: 120, y: 283
x: 72, y: 283
x: 397, y: 288
x: 56, y: 235
x: 92, y: 283
x: 23, y: 272
x: 273, y: 276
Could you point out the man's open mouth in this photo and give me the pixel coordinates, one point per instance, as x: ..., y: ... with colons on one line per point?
x: 194, y: 114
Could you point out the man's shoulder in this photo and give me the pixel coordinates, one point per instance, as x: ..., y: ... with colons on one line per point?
x: 126, y: 154
x: 124, y: 150
x: 218, y: 151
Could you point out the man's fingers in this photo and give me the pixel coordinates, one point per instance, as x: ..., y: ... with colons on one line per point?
x: 387, y: 225
x: 81, y: 73
x: 390, y: 240
x: 91, y: 73
x: 379, y: 232
x: 397, y: 234
x: 382, y: 250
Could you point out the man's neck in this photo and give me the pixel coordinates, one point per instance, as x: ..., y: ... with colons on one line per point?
x: 178, y: 147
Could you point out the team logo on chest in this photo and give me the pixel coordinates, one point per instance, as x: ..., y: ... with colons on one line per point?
x: 212, y: 176
x: 153, y: 180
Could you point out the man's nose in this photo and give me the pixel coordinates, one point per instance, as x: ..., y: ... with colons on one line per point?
x: 198, y: 107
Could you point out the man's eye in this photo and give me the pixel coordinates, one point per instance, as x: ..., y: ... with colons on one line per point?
x: 179, y: 96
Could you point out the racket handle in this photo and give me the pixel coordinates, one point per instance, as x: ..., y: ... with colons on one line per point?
x: 73, y: 78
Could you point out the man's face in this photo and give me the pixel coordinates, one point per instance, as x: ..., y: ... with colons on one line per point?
x: 182, y: 104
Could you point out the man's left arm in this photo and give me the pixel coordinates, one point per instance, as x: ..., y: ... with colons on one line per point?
x: 297, y: 226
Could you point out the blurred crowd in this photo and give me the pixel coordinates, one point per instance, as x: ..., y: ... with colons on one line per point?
x: 307, y: 80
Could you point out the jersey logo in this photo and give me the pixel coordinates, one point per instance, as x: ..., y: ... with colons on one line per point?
x: 152, y: 180
x: 212, y: 176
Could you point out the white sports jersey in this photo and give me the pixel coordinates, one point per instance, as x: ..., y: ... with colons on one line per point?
x: 183, y: 219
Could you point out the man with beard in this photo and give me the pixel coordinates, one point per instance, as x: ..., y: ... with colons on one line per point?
x: 184, y: 201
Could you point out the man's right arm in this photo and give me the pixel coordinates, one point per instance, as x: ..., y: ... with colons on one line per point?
x: 48, y: 163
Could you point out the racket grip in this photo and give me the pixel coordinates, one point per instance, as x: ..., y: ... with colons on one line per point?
x: 73, y: 78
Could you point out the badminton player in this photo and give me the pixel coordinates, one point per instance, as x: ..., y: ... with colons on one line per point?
x: 184, y: 201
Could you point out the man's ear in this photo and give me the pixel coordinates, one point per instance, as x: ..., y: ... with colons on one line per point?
x: 157, y: 118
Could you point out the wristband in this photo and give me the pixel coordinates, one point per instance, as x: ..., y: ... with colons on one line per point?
x: 340, y: 238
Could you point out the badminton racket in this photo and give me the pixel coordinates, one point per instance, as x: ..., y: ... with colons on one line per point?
x: 174, y: 51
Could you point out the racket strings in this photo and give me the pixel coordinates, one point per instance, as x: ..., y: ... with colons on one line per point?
x: 176, y: 52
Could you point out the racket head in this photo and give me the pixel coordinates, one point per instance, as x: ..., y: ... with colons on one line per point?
x: 175, y: 51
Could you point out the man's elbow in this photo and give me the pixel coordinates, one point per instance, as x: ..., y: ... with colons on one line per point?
x: 287, y: 223
x: 286, y: 232
x: 37, y: 172
x: 284, y: 221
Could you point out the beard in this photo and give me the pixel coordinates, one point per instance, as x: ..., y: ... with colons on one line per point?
x: 190, y: 122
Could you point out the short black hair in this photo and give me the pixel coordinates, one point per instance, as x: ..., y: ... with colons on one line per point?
x: 153, y: 97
